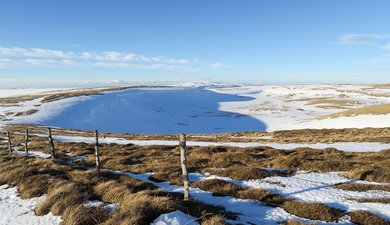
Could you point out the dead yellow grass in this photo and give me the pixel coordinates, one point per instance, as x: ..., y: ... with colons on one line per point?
x: 263, y: 196
x: 67, y: 188
x: 140, y: 208
x: 219, y: 187
x: 61, y: 195
x: 81, y: 215
x: 314, y: 211
x: 372, y: 200
x: 373, y: 110
x: 327, y: 102
x: 361, y: 217
x: 214, y: 220
x: 363, y: 187
x: 292, y: 222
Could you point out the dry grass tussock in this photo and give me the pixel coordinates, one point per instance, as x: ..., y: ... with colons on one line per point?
x: 214, y: 220
x: 372, y: 200
x: 81, y: 215
x: 61, y: 195
x: 219, y: 187
x: 363, y: 187
x: 68, y: 188
x: 141, y: 208
x: 361, y: 217
x: 293, y: 222
x: 314, y: 211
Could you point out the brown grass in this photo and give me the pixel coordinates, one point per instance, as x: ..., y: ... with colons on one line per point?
x: 263, y: 196
x: 214, y: 220
x: 362, y: 187
x: 361, y: 217
x: 219, y: 187
x: 141, y: 208
x: 314, y: 211
x: 67, y: 188
x: 372, y: 200
x: 292, y: 222
x: 61, y: 195
x: 81, y: 215
x: 27, y: 113
x: 237, y: 163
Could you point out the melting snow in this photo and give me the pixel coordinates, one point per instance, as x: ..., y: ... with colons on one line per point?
x: 16, y: 211
x: 175, y: 218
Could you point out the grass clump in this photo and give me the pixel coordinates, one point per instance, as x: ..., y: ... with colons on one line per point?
x: 219, y: 187
x: 362, y: 187
x: 263, y: 196
x: 292, y: 222
x: 313, y: 211
x: 34, y: 186
x: 140, y: 208
x: 214, y: 220
x: 361, y: 217
x: 81, y: 215
x: 61, y: 195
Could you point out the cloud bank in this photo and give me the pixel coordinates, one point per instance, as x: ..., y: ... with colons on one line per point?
x: 39, y: 57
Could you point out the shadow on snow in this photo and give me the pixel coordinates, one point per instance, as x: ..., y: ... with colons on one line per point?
x: 160, y: 111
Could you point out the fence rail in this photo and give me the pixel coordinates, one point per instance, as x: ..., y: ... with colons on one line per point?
x: 182, y: 146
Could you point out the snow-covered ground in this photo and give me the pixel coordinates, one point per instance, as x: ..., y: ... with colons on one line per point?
x: 302, y: 106
x: 4, y: 93
x: 318, y: 188
x: 17, y: 211
x: 343, y: 146
x: 175, y: 218
x: 201, y: 108
x: 304, y: 186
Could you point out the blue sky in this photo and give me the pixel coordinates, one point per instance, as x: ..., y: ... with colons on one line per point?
x: 274, y: 41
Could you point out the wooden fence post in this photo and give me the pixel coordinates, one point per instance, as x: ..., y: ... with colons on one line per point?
x: 183, y: 157
x: 97, y: 150
x: 53, y: 153
x: 9, y: 141
x: 26, y: 142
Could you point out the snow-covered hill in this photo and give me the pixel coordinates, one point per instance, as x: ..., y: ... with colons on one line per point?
x: 209, y: 107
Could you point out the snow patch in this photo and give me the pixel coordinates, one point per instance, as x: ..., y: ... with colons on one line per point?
x: 16, y: 211
x: 175, y: 218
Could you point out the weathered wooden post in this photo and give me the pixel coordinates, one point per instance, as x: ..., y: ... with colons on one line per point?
x: 9, y: 141
x: 97, y: 151
x: 53, y: 153
x: 183, y: 156
x: 26, y: 141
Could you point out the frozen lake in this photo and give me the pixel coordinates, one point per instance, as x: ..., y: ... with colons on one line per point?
x: 161, y: 111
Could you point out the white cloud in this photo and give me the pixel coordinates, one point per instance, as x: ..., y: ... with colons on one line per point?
x: 386, y: 46
x: 358, y: 39
x: 15, y: 56
x: 217, y: 65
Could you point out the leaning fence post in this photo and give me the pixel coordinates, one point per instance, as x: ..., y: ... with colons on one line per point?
x: 9, y: 141
x: 26, y: 142
x: 183, y: 157
x: 53, y: 155
x: 97, y: 150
